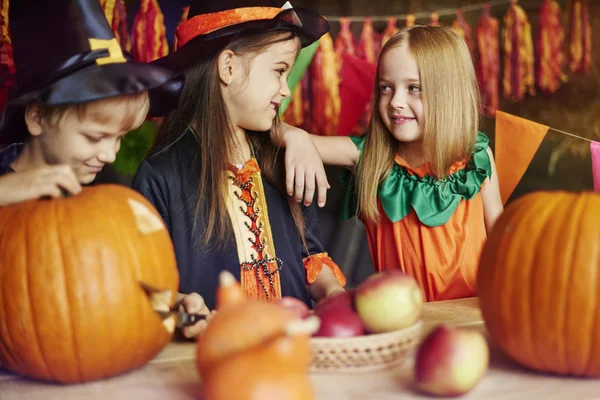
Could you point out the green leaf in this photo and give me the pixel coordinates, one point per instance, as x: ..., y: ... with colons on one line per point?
x: 300, y: 66
x: 134, y: 147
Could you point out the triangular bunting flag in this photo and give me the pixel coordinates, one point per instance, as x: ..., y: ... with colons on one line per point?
x: 595, y: 148
x: 517, y: 140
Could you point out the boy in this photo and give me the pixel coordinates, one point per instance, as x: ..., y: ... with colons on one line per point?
x: 76, y: 96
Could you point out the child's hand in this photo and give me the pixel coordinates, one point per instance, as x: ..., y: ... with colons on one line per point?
x: 16, y: 187
x: 303, y: 165
x: 193, y: 303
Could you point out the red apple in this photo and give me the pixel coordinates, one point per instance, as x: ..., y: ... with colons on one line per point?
x: 388, y: 301
x: 339, y: 322
x: 343, y: 299
x: 451, y: 361
x: 297, y: 307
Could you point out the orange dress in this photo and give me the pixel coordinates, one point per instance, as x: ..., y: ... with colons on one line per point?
x: 431, y: 231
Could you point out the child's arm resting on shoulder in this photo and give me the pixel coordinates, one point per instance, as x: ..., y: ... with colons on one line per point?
x: 334, y: 150
x: 304, y: 158
x: 50, y: 181
x: 490, y: 194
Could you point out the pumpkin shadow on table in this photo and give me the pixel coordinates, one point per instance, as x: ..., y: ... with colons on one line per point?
x: 499, y: 361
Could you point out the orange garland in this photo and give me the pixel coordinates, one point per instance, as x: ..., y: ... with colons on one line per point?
x: 108, y: 7
x: 580, y: 42
x: 550, y: 55
x: 390, y: 30
x: 344, y: 43
x: 7, y: 64
x: 488, y: 61
x: 463, y: 29
x: 368, y: 49
x: 294, y: 115
x: 519, y: 78
x: 149, y: 40
x: 119, y: 25
x: 4, y: 36
x: 434, y: 19
x: 325, y: 96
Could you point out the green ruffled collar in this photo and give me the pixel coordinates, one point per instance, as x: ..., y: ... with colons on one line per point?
x: 434, y: 201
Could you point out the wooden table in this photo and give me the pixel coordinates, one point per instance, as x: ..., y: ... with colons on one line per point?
x: 172, y: 375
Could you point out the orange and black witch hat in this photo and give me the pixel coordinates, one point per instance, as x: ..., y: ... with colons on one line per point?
x: 211, y: 25
x: 66, y: 53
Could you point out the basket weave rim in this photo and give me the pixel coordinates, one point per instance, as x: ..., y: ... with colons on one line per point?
x: 363, y: 339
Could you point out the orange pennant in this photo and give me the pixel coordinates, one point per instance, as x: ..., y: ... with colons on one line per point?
x: 517, y: 141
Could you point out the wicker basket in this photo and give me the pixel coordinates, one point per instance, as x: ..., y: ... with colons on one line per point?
x: 364, y: 353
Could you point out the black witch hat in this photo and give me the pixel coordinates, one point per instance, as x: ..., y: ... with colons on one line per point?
x: 211, y: 25
x: 66, y: 53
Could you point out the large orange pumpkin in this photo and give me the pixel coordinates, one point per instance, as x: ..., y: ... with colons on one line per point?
x: 248, y: 351
x: 71, y: 305
x: 539, y: 282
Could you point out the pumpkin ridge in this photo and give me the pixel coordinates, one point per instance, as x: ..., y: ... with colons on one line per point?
x: 551, y: 206
x: 569, y: 247
x: 576, y: 205
x: 593, y: 327
x: 69, y: 298
x: 28, y: 274
x: 106, y: 293
x: 135, y: 274
x: 6, y: 349
x: 505, y: 252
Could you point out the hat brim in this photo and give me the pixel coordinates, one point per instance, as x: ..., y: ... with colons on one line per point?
x: 95, y: 82
x: 306, y: 25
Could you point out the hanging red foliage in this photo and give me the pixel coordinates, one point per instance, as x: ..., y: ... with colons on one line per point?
x: 325, y: 96
x: 488, y: 61
x: 149, y: 40
x: 519, y: 78
x: 7, y: 64
x: 434, y: 19
x: 344, y: 43
x: 108, y: 7
x: 368, y: 49
x: 390, y: 30
x: 550, y: 56
x: 580, y: 36
x: 119, y: 25
x: 463, y: 29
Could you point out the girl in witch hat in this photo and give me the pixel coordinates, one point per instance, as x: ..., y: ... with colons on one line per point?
x: 76, y: 95
x: 214, y: 175
x: 425, y: 182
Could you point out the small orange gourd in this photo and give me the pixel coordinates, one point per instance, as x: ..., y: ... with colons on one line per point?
x: 253, y: 349
x: 539, y: 282
x: 72, y: 307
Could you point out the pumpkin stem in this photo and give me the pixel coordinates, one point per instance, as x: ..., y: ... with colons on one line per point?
x: 229, y: 291
x: 306, y: 326
x: 226, y: 279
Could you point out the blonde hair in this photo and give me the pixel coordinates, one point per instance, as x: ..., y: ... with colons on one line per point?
x: 102, y: 110
x: 450, y: 107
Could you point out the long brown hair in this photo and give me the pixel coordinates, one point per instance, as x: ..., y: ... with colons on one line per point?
x: 450, y: 104
x: 203, y: 106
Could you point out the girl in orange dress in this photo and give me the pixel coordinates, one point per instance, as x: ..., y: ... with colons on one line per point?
x: 424, y: 180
